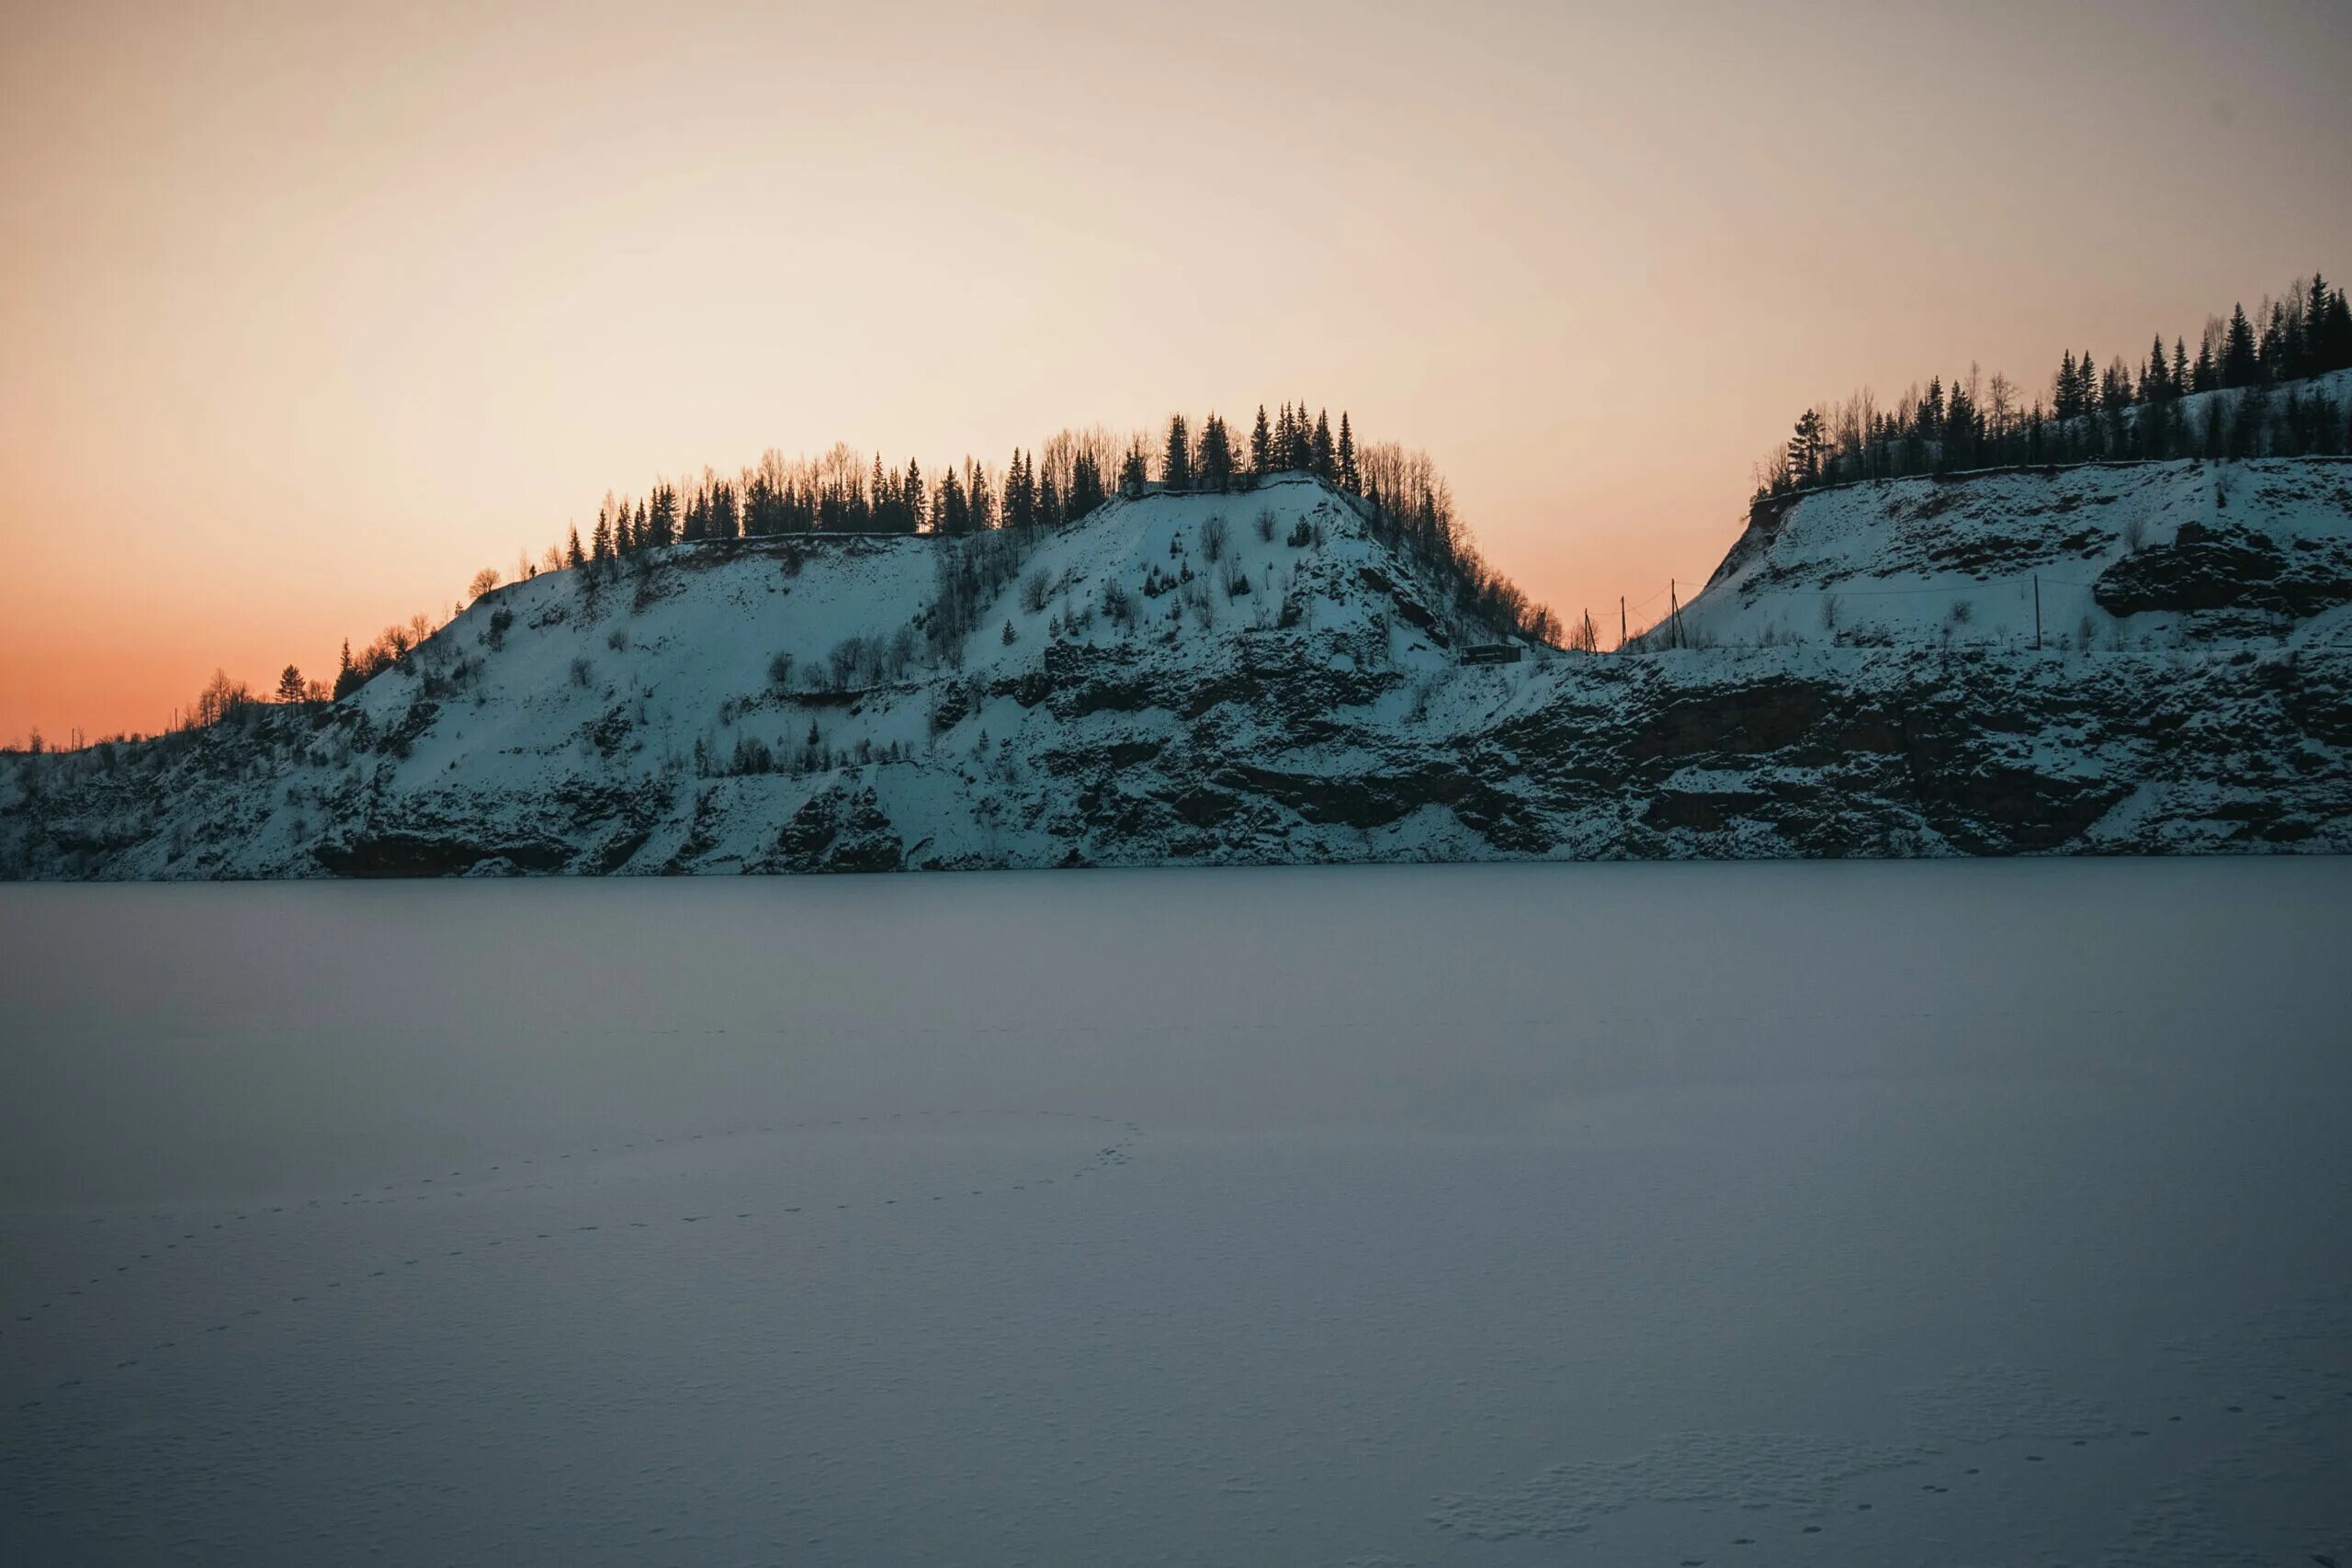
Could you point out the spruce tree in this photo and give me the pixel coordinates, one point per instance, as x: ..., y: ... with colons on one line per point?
x: 2335, y: 343
x: 1260, y: 443
x: 2114, y: 387
x: 978, y: 496
x: 726, y: 511
x: 2314, y: 325
x: 1348, y: 475
x: 2238, y: 366
x: 1324, y: 460
x: 951, y: 513
x: 1086, y: 489
x: 1216, y: 455
x: 1176, y: 458
x: 1017, y: 508
x: 1805, y: 449
x: 2273, y: 358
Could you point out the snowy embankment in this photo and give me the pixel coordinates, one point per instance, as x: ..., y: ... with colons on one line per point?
x: 1264, y: 677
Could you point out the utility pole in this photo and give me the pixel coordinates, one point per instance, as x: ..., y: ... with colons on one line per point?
x: 1620, y: 623
x: 1674, y: 611
x: 2037, y: 612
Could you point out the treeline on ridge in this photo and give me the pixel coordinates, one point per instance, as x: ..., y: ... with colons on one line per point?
x: 1058, y: 483
x: 1407, y: 502
x: 2123, y: 412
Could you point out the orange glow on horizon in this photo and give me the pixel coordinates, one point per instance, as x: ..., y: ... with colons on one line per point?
x: 313, y: 310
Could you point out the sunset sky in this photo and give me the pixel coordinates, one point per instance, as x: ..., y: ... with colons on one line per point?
x: 309, y: 310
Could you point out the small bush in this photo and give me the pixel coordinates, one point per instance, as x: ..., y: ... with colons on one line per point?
x: 1213, y: 537
x: 848, y: 657
x: 617, y: 641
x: 780, y: 671
x: 581, y: 671
x: 1266, y: 525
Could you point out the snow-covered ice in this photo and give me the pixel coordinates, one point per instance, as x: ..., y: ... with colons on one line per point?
x: 1923, y: 1212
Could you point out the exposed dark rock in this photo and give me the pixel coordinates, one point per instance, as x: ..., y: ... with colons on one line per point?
x: 839, y: 829
x: 398, y: 854
x: 2226, y: 568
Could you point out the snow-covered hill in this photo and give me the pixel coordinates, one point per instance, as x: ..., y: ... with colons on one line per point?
x: 2000, y: 557
x: 2124, y: 556
x: 1266, y: 676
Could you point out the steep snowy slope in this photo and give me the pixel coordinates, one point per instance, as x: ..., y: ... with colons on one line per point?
x: 2123, y: 556
x: 753, y: 639
x: 1265, y: 677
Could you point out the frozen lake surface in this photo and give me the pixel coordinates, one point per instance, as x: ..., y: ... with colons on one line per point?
x: 1925, y: 1214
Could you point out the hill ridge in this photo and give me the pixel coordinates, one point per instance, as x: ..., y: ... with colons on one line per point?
x: 1206, y: 679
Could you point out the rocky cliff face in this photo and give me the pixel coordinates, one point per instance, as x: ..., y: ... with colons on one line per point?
x: 1264, y: 678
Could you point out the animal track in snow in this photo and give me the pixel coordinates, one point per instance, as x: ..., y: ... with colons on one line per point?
x: 2010, y: 1421
x: 1109, y: 1156
x: 411, y: 1190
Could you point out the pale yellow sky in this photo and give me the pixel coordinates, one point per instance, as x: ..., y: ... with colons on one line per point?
x: 309, y: 310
